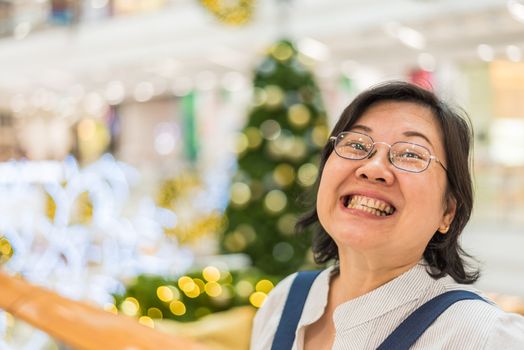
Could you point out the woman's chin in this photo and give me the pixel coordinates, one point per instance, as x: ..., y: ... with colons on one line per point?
x: 358, y: 239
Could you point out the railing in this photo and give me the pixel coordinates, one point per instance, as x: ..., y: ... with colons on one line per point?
x: 79, y: 325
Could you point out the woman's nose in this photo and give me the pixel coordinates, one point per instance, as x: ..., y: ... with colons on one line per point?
x: 376, y: 166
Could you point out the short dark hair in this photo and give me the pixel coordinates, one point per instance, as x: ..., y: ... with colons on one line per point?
x: 443, y: 253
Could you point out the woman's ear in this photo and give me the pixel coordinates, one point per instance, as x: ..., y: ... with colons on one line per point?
x: 449, y: 214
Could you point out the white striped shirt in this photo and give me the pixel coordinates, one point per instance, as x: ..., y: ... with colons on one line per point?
x: 364, y: 322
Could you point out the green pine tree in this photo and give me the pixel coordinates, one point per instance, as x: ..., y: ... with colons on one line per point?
x: 277, y: 162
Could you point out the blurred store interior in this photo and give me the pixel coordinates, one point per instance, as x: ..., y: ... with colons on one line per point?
x: 122, y: 123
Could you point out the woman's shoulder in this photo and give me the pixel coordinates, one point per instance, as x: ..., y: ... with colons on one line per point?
x: 507, y: 332
x: 483, y: 323
x: 478, y: 324
x: 494, y: 327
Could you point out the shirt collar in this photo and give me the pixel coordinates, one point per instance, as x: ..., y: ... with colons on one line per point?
x: 405, y: 288
x: 317, y: 298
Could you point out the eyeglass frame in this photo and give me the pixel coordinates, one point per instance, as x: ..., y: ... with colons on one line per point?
x: 373, y: 143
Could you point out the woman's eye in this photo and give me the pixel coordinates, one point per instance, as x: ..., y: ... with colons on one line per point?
x: 411, y: 155
x: 357, y: 146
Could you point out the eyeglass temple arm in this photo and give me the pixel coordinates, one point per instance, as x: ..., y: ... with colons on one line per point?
x: 438, y: 161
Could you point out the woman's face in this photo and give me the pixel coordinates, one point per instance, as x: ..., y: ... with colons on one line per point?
x: 417, y: 200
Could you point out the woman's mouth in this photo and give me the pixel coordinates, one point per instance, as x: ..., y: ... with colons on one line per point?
x: 370, y: 205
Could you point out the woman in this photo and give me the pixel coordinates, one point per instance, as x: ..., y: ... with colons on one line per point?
x: 393, y: 195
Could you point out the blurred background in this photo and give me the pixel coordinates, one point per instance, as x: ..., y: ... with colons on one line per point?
x: 153, y: 152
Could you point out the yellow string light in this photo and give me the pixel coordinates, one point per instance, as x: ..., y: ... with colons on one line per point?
x: 200, y: 284
x: 257, y: 299
x: 154, y: 312
x: 299, y: 115
x: 244, y: 288
x: 193, y: 293
x: 281, y: 51
x: 211, y: 274
x: 226, y: 277
x: 146, y: 321
x: 213, y: 289
x: 186, y: 283
x: 264, y: 286
x: 189, y: 287
x: 307, y: 174
x: 110, y: 307
x: 240, y: 194
x: 177, y: 308
x: 254, y: 137
x: 320, y: 135
x: 275, y: 201
x: 284, y: 175
x: 165, y: 294
x: 130, y: 306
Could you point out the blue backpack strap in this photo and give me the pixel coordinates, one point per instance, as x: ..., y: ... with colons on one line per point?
x: 296, y: 298
x: 421, y: 319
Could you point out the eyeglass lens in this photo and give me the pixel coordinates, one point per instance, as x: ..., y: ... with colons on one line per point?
x: 403, y: 155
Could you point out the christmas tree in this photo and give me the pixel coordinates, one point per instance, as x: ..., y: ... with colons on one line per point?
x: 277, y: 162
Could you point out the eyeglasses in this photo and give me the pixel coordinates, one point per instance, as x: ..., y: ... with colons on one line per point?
x: 403, y: 155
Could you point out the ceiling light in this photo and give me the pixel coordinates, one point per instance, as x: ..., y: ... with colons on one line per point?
x: 406, y: 35
x: 314, y: 49
x: 115, y: 92
x: 164, y: 143
x: 412, y: 38
x: 76, y: 92
x: 94, y: 104
x: 144, y: 91
x: 485, y: 52
x: 514, y: 53
x: 516, y: 9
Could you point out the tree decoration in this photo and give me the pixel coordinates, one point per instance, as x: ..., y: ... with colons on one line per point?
x: 6, y: 250
x: 231, y: 12
x: 50, y: 207
x: 194, y: 295
x: 182, y: 195
x: 82, y: 209
x: 277, y: 152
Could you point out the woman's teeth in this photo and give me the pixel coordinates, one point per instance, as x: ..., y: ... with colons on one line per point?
x: 370, y: 205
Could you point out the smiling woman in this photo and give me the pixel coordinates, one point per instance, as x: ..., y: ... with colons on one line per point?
x: 393, y: 196
x: 383, y: 174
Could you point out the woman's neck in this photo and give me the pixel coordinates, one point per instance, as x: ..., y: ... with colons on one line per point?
x: 360, y: 276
